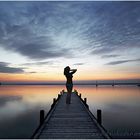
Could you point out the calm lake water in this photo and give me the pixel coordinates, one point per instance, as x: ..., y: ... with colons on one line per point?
x: 20, y: 106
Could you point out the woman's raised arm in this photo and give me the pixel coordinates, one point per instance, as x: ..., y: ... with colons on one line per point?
x: 73, y: 71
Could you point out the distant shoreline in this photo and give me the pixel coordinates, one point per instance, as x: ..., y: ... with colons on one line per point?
x: 90, y: 82
x: 94, y: 84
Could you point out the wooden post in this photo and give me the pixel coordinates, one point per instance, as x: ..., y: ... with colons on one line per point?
x: 63, y: 91
x: 75, y: 91
x: 42, y: 114
x: 54, y: 100
x: 99, y: 116
x: 59, y: 96
x: 85, y: 100
x: 96, y: 84
x: 113, y: 84
x: 80, y: 95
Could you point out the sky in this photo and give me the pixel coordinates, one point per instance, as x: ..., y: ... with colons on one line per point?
x: 100, y: 39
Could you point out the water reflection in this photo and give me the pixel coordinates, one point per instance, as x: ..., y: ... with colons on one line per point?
x: 4, y: 99
x: 20, y: 105
x: 120, y: 107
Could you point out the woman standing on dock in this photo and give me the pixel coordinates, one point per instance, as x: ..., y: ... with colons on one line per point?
x: 69, y: 84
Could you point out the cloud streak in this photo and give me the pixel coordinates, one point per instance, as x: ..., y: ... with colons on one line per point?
x: 5, y: 68
x: 79, y: 64
x: 122, y: 61
x: 38, y: 63
x: 110, y: 56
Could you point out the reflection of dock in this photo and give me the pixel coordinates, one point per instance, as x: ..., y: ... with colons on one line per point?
x: 70, y: 121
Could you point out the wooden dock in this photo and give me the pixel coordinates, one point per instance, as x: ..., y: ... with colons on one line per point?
x: 70, y: 121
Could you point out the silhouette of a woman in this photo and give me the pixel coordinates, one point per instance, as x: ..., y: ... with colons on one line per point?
x: 69, y: 84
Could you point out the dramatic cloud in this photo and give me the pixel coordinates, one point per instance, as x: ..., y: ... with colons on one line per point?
x: 122, y: 61
x: 46, y: 36
x: 42, y: 30
x: 4, y: 68
x: 21, y: 32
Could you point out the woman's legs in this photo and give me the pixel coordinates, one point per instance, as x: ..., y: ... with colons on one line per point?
x: 69, y: 90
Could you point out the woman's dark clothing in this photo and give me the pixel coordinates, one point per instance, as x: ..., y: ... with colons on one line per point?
x: 69, y: 78
x: 69, y: 86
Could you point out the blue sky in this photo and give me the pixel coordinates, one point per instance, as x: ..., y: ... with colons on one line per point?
x: 95, y: 37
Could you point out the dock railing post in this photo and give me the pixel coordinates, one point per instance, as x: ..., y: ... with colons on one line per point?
x: 99, y: 116
x: 63, y: 91
x: 113, y: 84
x: 96, y: 84
x: 59, y: 96
x: 54, y: 100
x: 80, y: 95
x: 42, y: 114
x: 85, y: 100
x: 75, y: 91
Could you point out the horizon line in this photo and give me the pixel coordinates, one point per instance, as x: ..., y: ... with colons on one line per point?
x: 81, y: 82
x: 75, y: 81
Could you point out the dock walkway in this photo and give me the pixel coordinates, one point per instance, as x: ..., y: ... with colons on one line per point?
x: 70, y: 121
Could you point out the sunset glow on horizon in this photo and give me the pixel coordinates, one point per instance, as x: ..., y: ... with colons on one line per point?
x: 99, y: 39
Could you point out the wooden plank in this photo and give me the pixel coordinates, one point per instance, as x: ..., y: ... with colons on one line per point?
x: 70, y: 121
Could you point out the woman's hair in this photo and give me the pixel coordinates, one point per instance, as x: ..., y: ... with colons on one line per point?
x: 66, y: 70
